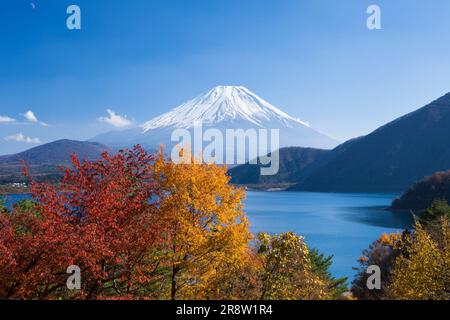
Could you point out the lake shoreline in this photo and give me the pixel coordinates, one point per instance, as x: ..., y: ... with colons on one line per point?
x: 7, y: 189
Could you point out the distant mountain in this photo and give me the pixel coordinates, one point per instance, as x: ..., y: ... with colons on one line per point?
x: 389, y: 159
x: 293, y: 163
x: 223, y: 107
x: 45, y: 159
x: 422, y: 194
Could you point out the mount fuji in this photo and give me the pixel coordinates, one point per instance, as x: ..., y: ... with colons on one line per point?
x: 223, y: 107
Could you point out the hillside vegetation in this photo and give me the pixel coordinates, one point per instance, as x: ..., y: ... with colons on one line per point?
x: 422, y: 194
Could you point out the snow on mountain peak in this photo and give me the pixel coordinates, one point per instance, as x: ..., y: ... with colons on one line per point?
x: 223, y: 103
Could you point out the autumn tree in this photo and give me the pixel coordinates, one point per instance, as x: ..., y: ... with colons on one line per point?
x: 277, y: 267
x: 414, y: 264
x: 287, y: 270
x: 99, y: 218
x: 242, y: 281
x: 208, y: 230
x: 422, y: 270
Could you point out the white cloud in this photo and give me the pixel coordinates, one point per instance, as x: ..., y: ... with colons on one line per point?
x: 30, y: 116
x: 115, y: 120
x: 19, y: 137
x: 5, y: 119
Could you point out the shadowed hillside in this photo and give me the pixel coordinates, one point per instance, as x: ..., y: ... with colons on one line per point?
x: 422, y: 194
x: 391, y: 158
x: 44, y: 160
x: 293, y: 162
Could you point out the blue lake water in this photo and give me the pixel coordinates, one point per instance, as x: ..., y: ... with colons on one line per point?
x: 13, y: 198
x: 341, y: 224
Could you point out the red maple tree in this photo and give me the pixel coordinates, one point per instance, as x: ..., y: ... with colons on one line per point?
x: 102, y: 217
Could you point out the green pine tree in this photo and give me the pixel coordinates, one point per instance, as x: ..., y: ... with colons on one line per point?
x: 321, y: 265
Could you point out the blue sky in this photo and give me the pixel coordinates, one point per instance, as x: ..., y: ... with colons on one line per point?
x: 314, y: 59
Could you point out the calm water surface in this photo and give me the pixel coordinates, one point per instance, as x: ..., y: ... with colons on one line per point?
x: 12, y: 198
x: 335, y: 223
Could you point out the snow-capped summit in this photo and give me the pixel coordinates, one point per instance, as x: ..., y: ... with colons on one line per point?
x: 222, y: 103
x: 223, y: 107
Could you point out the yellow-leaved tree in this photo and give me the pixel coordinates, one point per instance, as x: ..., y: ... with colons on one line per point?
x: 421, y: 271
x: 208, y: 228
x: 287, y: 270
x: 240, y: 281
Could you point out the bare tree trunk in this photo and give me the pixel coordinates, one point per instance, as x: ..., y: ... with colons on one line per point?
x: 173, y: 290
